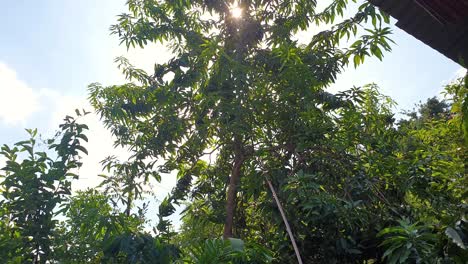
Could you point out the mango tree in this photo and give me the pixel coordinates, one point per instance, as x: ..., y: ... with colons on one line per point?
x: 238, y: 85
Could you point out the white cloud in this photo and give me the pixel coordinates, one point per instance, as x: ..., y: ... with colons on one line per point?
x: 99, y: 146
x: 17, y: 100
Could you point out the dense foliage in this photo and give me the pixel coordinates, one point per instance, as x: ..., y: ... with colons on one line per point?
x: 243, y: 106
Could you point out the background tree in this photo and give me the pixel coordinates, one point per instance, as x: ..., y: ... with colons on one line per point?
x: 90, y: 222
x: 126, y: 183
x: 96, y: 232
x: 433, y: 145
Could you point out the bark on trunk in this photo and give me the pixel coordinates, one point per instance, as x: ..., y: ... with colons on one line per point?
x: 231, y: 196
x: 129, y: 204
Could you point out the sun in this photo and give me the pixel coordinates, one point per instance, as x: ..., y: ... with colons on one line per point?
x: 236, y: 12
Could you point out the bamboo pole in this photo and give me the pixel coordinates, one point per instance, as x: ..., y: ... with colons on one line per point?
x: 285, y: 220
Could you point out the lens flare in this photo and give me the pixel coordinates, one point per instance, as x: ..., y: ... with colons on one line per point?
x: 236, y: 12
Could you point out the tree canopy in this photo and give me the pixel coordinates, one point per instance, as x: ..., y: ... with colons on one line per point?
x: 238, y: 86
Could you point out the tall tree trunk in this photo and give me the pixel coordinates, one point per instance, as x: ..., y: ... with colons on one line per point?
x: 130, y: 182
x: 129, y: 204
x: 231, y: 195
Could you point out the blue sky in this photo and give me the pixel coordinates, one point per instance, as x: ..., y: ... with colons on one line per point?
x: 50, y: 50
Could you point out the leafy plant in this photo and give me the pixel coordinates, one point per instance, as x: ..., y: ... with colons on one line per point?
x: 458, y: 235
x: 138, y: 248
x: 89, y: 222
x: 226, y: 251
x: 33, y: 186
x: 407, y: 242
x: 125, y: 184
x: 457, y: 247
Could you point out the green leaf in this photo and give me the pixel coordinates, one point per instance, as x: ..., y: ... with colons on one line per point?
x: 455, y: 237
x: 82, y: 149
x: 357, y: 60
x: 82, y: 136
x: 237, y: 244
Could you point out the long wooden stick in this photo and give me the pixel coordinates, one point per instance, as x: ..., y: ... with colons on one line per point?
x: 288, y: 228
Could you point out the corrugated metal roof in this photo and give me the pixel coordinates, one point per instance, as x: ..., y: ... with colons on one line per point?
x: 441, y: 24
